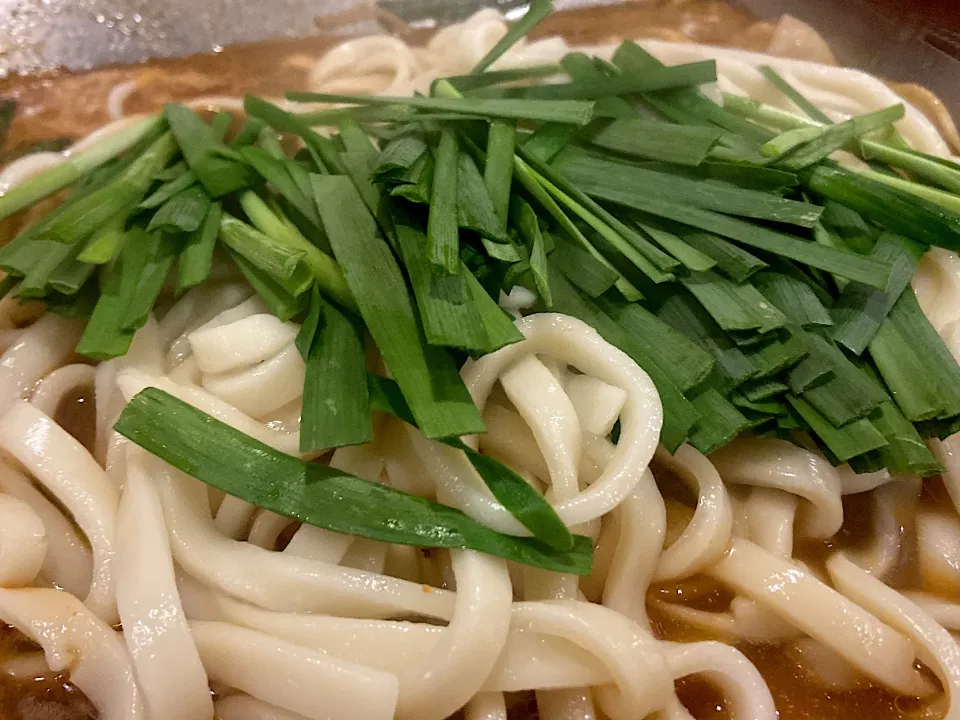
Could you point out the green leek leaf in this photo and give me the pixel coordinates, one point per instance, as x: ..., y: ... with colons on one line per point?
x: 599, y: 176
x: 860, y: 310
x: 855, y: 438
x: 204, y: 152
x: 498, y: 171
x: 397, y: 156
x: 537, y: 11
x: 576, y: 112
x: 429, y: 379
x: 183, y: 213
x: 514, y: 493
x: 525, y: 220
x: 196, y: 259
x: 811, y: 110
x: 681, y: 144
x: 318, y: 495
x: 443, y: 238
x: 336, y: 403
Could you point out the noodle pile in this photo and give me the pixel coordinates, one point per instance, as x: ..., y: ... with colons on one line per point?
x: 288, y: 621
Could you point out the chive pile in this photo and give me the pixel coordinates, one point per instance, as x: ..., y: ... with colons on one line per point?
x: 763, y: 286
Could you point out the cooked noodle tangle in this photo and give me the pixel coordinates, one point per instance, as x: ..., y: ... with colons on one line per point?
x: 297, y: 622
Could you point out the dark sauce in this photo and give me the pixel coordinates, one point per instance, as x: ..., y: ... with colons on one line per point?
x: 48, y: 697
x: 77, y: 415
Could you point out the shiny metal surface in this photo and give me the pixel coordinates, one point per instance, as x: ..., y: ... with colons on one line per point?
x: 80, y: 34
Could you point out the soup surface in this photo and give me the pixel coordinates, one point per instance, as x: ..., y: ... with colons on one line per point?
x: 269, y: 68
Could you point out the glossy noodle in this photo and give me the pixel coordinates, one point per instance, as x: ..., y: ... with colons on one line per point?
x: 762, y: 556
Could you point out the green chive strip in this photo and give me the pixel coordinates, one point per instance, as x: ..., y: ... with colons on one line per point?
x: 807, y: 107
x: 279, y: 173
x: 734, y: 307
x: 498, y: 171
x: 205, y: 152
x: 860, y: 310
x: 625, y: 248
x: 416, y: 185
x: 885, y: 201
x: 449, y: 316
x: 170, y: 188
x: 905, y: 452
x: 655, y: 255
x: 475, y: 210
x: 584, y: 69
x: 248, y: 133
x: 548, y: 140
x: 321, y: 149
x: 936, y: 196
x: 443, y: 238
x: 183, y: 213
x: 686, y: 254
x: 162, y: 252
x: 793, y: 297
x: 117, y: 197
x: 720, y: 421
x: 668, y: 77
x: 526, y: 222
x: 682, y: 312
x: 325, y: 270
x: 733, y: 261
x: 396, y: 158
x: 528, y: 178
x: 536, y: 12
x: 686, y: 362
x: 844, y: 263
x: 56, y: 178
x: 196, y: 260
x: 468, y: 83
x: 107, y: 334
x: 681, y: 144
x: 581, y: 268
x: 763, y: 388
x: 849, y: 394
x: 845, y: 442
x: 273, y: 257
x: 514, y: 493
x: 928, y: 167
x: 686, y: 105
x: 318, y: 495
x: 336, y: 403
x: 103, y: 245
x: 769, y: 115
x: 797, y: 149
x: 816, y: 368
x: 915, y: 364
x: 575, y: 112
x: 280, y: 299
x: 597, y: 176
x: 427, y: 375
x: 70, y: 276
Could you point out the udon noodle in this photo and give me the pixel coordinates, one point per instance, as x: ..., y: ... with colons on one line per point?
x: 149, y: 589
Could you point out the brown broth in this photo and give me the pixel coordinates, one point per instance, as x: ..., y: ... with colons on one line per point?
x: 77, y: 415
x: 49, y: 697
x: 271, y: 67
x: 796, y: 697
